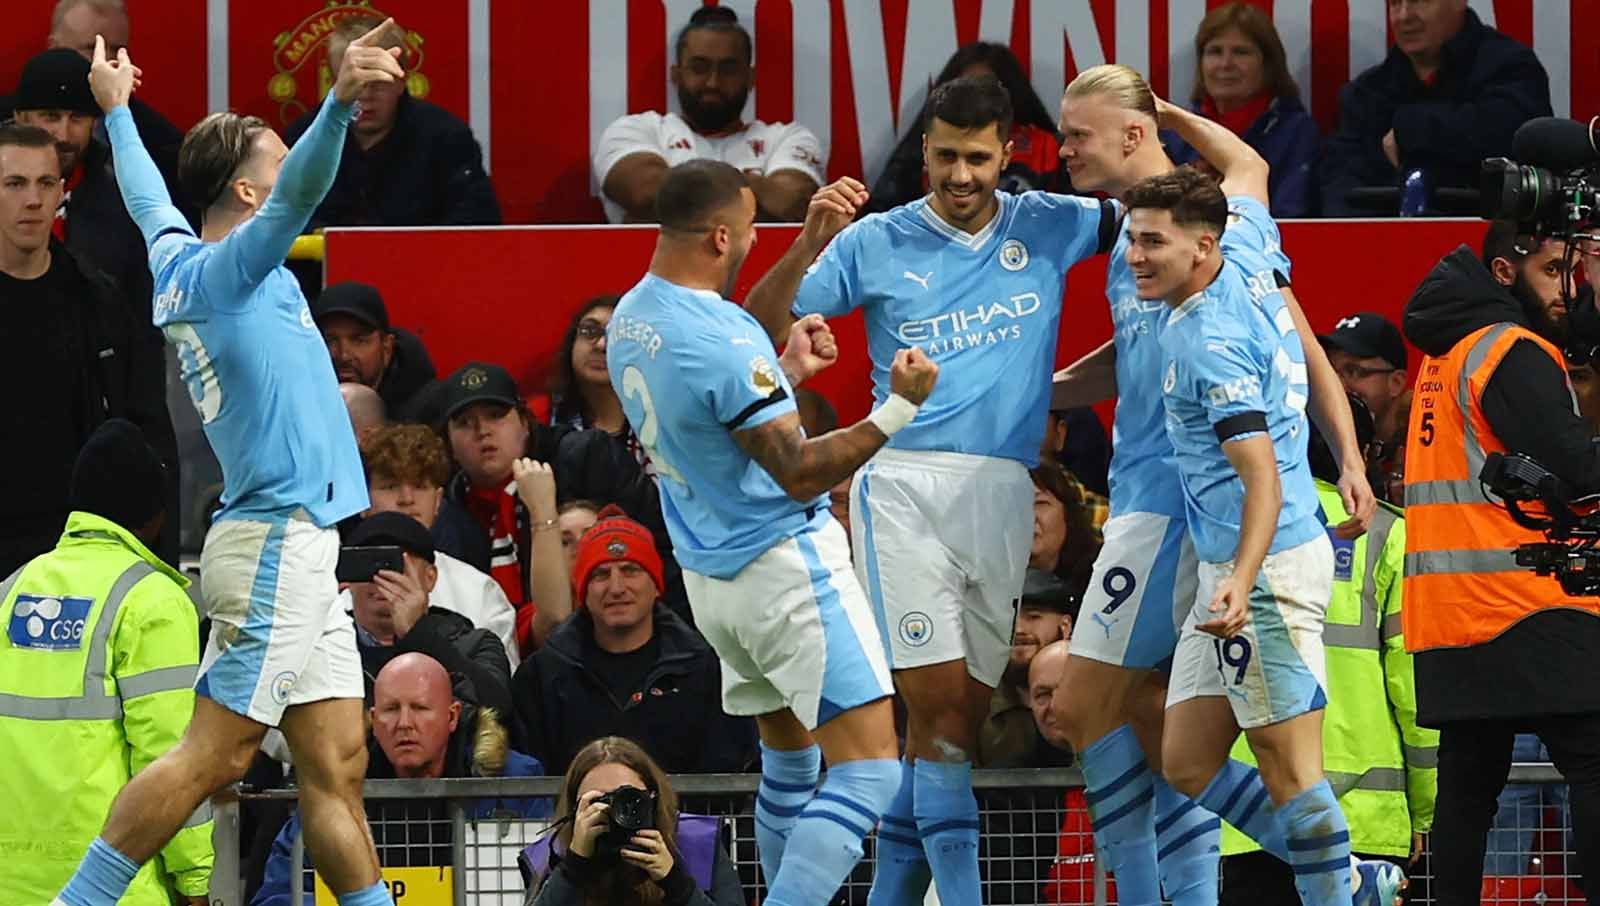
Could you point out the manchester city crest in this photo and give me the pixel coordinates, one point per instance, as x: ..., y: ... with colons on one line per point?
x: 916, y: 628
x: 1013, y: 255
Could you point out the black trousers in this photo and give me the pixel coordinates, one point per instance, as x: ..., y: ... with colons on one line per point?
x: 1262, y: 879
x: 1474, y: 759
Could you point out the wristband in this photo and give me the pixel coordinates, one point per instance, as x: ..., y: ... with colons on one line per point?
x: 895, y: 413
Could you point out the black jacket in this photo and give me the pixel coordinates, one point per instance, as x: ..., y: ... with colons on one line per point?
x: 475, y: 658
x: 408, y: 373
x: 676, y: 715
x: 1543, y: 664
x: 1487, y: 86
x: 427, y: 172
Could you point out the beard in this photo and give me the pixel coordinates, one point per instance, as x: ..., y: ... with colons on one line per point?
x: 732, y: 279
x: 1551, y: 327
x: 708, y: 115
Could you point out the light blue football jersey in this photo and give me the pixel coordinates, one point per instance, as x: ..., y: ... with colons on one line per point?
x: 986, y: 307
x: 691, y: 368
x: 254, y: 362
x: 1143, y: 476
x: 1227, y: 368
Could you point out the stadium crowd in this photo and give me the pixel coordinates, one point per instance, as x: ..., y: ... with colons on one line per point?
x: 537, y: 606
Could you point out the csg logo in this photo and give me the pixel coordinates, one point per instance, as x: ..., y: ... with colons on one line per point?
x: 49, y: 623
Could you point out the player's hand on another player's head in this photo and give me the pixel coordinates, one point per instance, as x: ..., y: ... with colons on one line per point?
x: 1167, y: 112
x: 913, y: 374
x: 112, y: 80
x: 832, y: 208
x: 366, y: 61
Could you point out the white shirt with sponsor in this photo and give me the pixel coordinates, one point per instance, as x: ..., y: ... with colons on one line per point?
x: 766, y: 147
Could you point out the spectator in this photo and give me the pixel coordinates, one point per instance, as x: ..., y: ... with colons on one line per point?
x: 653, y: 866
x: 1035, y: 153
x: 1044, y: 674
x: 407, y: 468
x: 1065, y: 541
x: 1370, y: 357
x: 1070, y: 877
x: 512, y: 500
x: 65, y: 766
x: 366, y: 350
x: 1242, y: 81
x: 72, y: 349
x: 1076, y: 440
x: 1010, y: 738
x: 584, y: 397
x: 575, y: 517
x: 367, y: 412
x: 783, y: 162
x: 1451, y: 93
x: 395, y: 614
x: 420, y: 732
x: 624, y: 665
x: 817, y: 415
x: 406, y: 162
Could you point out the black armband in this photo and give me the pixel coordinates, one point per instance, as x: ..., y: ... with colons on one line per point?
x: 1243, y: 423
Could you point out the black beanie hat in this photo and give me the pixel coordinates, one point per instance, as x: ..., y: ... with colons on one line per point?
x: 118, y: 476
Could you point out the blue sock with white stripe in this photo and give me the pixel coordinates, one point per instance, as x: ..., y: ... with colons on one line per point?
x: 947, y: 822
x: 1237, y: 796
x: 1319, y: 846
x: 376, y: 895
x: 902, y: 876
x: 101, y: 879
x: 788, y: 781
x: 1119, y: 788
x: 826, y: 842
x: 1188, y: 848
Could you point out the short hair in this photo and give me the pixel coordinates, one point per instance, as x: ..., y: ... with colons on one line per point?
x: 16, y: 135
x: 1506, y: 239
x: 1258, y: 28
x: 406, y: 453
x: 1122, y: 83
x: 66, y: 6
x: 212, y: 152
x: 715, y: 18
x: 1025, y: 103
x: 970, y: 102
x: 1192, y: 197
x: 579, y: 503
x: 695, y: 190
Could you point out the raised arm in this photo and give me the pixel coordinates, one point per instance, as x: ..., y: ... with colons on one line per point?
x: 1244, y: 172
x: 1089, y: 380
x: 806, y: 467
x: 144, y: 192
x: 832, y: 208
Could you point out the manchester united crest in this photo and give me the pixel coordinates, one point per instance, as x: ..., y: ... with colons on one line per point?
x: 300, y: 58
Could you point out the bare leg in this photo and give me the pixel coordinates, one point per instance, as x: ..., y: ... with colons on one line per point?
x: 328, y: 741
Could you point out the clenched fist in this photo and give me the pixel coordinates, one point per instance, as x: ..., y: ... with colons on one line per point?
x: 913, y: 374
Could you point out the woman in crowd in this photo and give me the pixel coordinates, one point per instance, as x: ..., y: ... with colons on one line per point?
x: 1242, y: 81
x: 650, y: 867
x: 1035, y: 152
x: 575, y: 517
x: 1065, y: 541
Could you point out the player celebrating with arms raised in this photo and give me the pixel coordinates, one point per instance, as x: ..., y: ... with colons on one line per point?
x: 974, y: 277
x: 282, y: 651
x: 744, y: 495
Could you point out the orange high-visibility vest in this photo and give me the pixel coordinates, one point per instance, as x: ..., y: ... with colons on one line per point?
x: 1462, y: 584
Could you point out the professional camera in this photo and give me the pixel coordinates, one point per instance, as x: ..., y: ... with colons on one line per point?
x: 1537, y: 499
x: 632, y: 810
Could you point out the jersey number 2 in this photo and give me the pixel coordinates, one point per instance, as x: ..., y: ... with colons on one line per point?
x: 634, y: 388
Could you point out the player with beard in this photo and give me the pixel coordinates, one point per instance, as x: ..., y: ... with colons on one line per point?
x: 783, y: 162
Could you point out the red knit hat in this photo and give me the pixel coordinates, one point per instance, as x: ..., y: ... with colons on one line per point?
x: 614, y: 537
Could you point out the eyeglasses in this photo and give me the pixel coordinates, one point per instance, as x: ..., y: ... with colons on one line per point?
x: 591, y: 330
x: 1354, y: 372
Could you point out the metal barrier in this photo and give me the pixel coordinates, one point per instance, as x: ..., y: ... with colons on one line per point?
x: 1032, y: 849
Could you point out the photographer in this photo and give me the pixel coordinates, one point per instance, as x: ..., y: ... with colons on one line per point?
x: 1498, y: 648
x: 596, y: 860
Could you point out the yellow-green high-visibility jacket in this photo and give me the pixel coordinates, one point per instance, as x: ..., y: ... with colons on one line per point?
x: 1382, y: 766
x: 98, y: 649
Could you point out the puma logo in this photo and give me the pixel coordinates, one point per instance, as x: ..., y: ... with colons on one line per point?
x: 923, y: 280
x: 1104, y: 623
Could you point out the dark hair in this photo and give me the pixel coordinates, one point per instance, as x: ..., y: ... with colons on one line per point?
x: 564, y: 381
x: 1275, y: 77
x: 577, y: 503
x: 629, y: 754
x: 715, y: 18
x: 212, y: 152
x: 1191, y: 196
x: 1075, y: 566
x: 970, y: 102
x: 1026, y: 105
x: 1504, y: 239
x: 693, y: 191
x: 16, y: 135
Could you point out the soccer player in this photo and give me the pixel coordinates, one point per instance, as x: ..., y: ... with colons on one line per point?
x: 744, y: 492
x: 1250, y: 651
x: 942, y: 517
x: 282, y: 652
x: 1111, y: 699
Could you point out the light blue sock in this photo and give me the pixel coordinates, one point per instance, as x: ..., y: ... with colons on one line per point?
x: 902, y: 874
x: 376, y: 895
x: 1119, y: 788
x: 1319, y: 846
x: 947, y: 822
x: 101, y: 879
x: 826, y: 842
x: 1237, y: 796
x: 788, y: 781
x: 1188, y: 848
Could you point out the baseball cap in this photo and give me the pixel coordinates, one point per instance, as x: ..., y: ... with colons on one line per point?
x: 1045, y: 590
x: 393, y: 528
x: 357, y: 300
x: 56, y: 80
x: 613, y: 537
x: 477, y: 382
x: 1366, y: 335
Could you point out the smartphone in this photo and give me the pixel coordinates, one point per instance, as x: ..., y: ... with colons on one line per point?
x: 360, y: 564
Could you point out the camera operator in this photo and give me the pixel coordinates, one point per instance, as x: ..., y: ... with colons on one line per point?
x: 1498, y: 648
